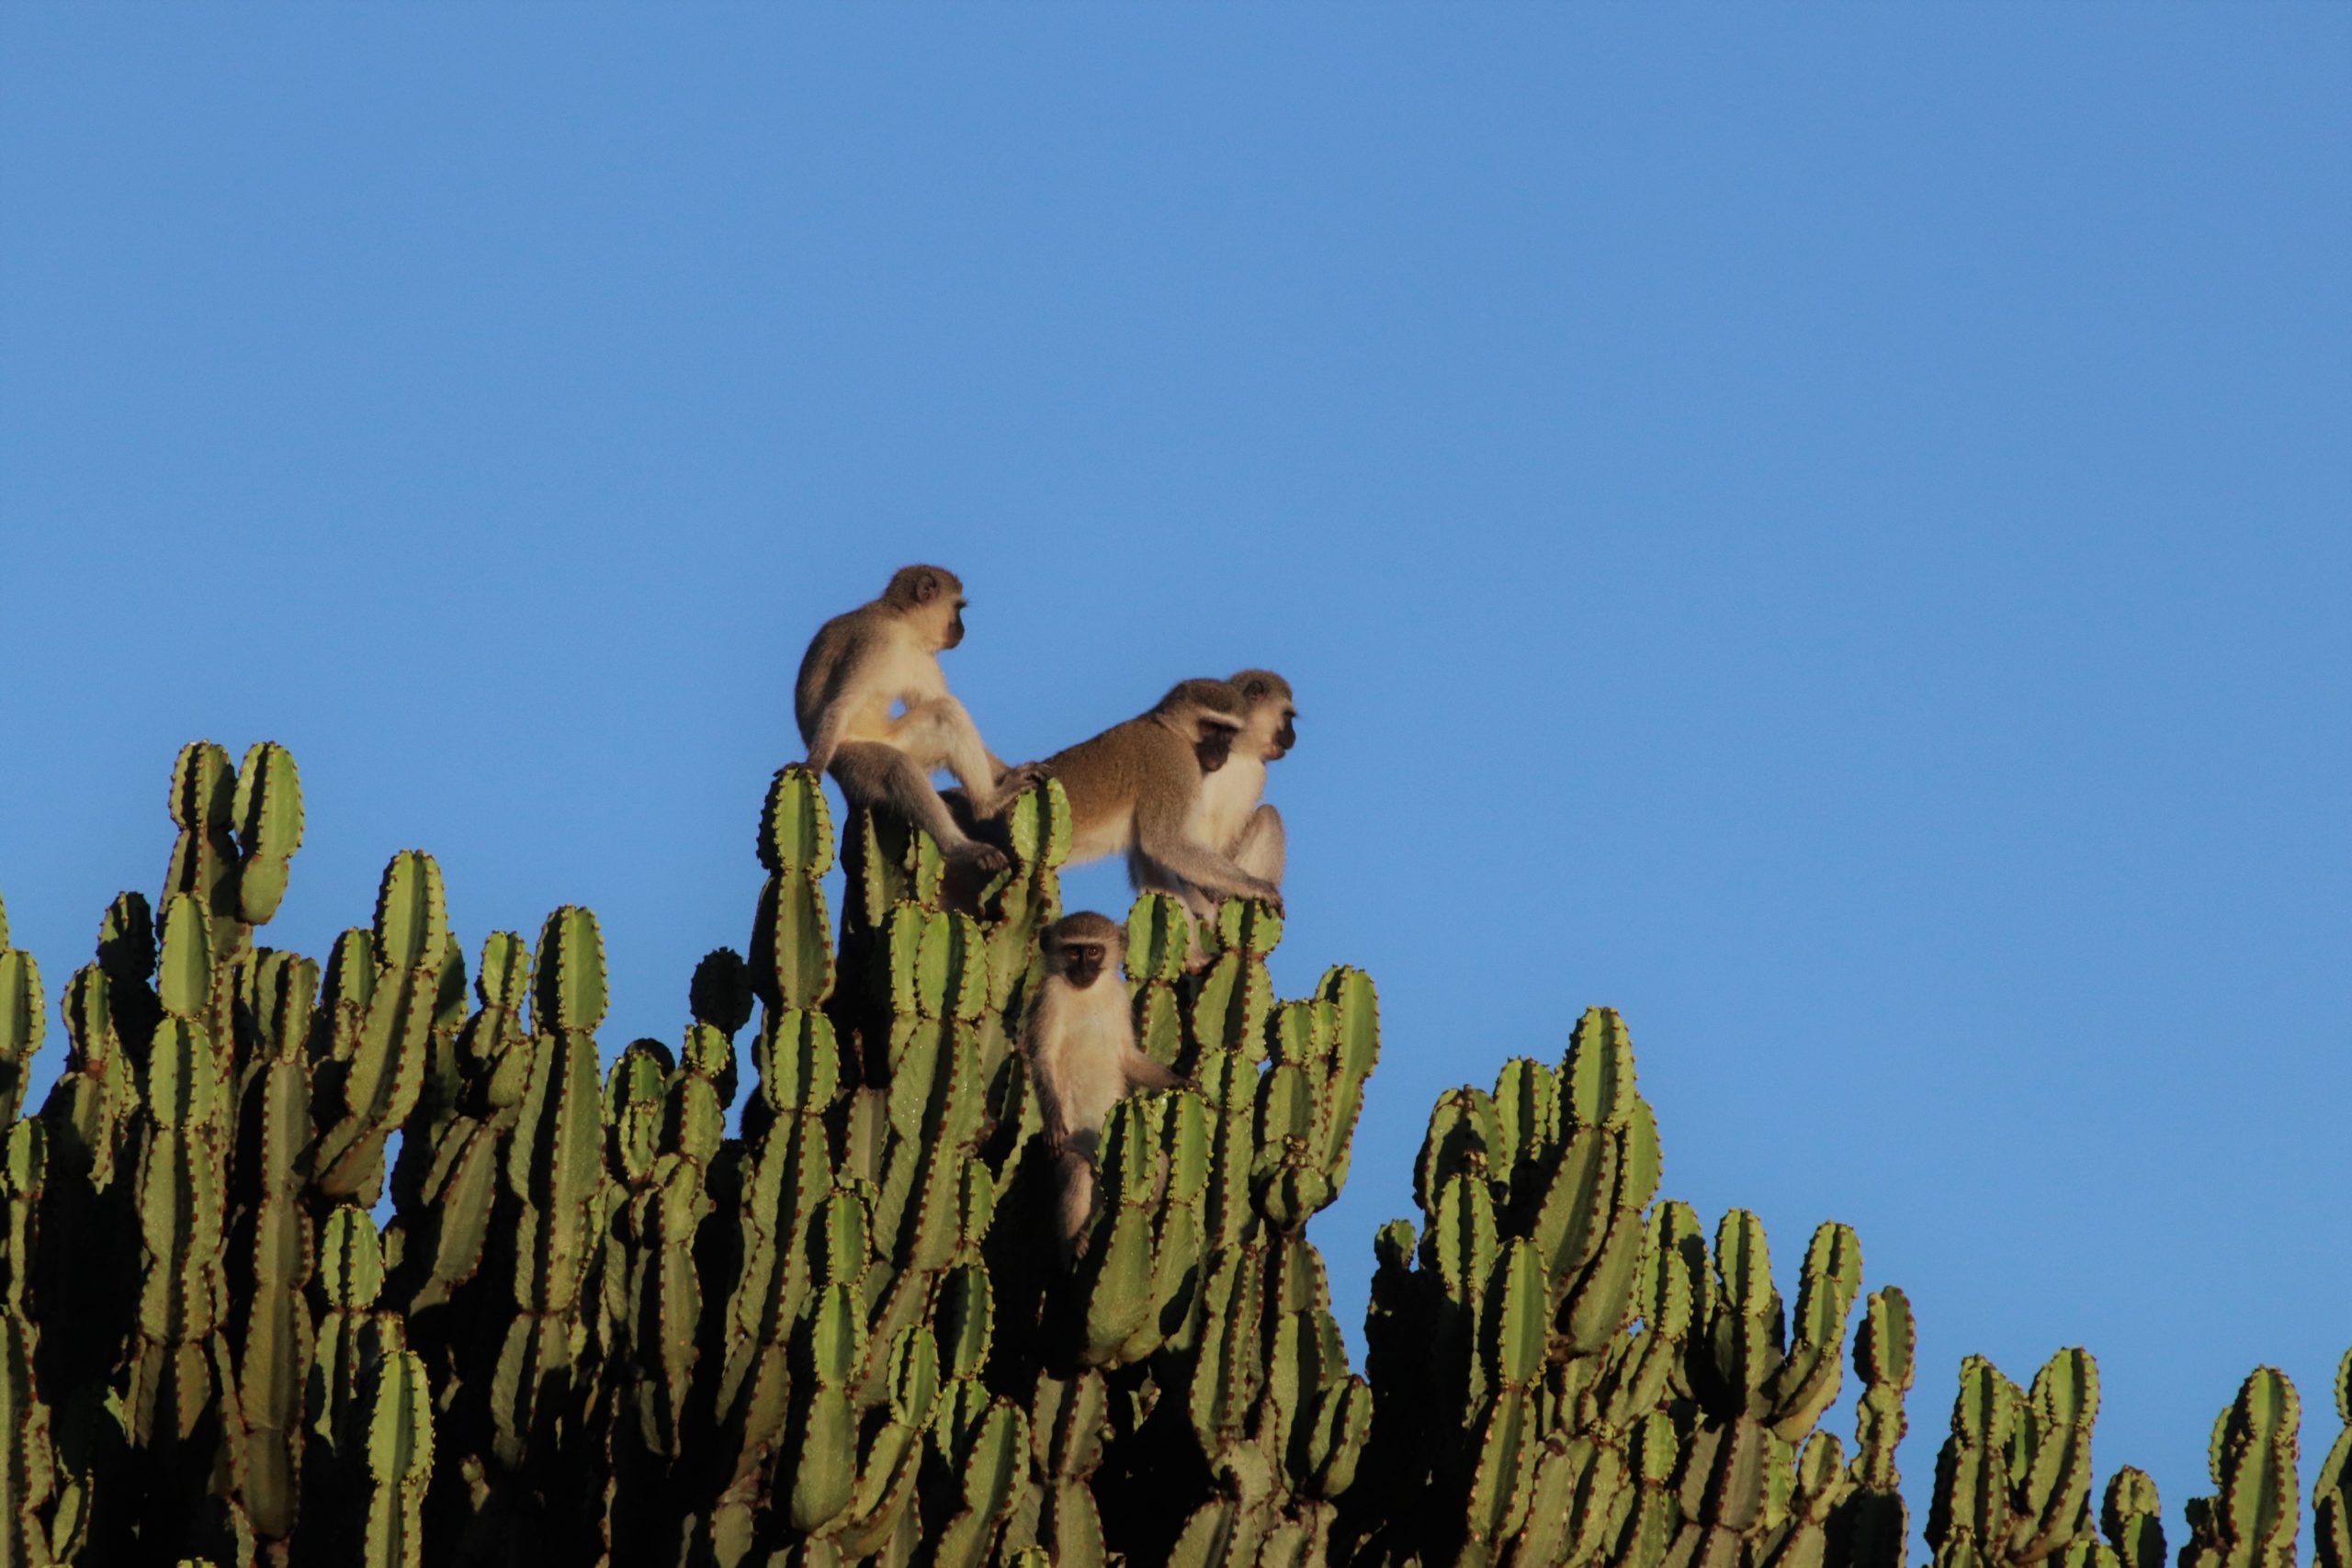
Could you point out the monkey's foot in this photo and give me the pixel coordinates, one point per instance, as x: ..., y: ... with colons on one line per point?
x: 984, y: 859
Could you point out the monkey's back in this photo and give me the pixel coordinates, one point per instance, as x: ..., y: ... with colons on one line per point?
x: 889, y: 665
x: 1103, y: 776
x: 813, y: 687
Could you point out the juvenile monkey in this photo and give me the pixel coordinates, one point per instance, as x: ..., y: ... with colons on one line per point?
x: 883, y: 653
x: 1136, y: 787
x: 1080, y: 1042
x: 1228, y: 816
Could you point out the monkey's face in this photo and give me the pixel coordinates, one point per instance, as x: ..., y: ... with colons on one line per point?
x: 1284, y: 737
x: 930, y: 596
x: 1272, y: 732
x: 1081, y: 962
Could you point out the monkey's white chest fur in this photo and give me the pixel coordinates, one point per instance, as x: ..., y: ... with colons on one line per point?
x: 1227, y: 797
x: 903, y: 675
x: 1080, y: 1048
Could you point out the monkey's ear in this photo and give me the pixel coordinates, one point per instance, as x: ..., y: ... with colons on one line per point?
x: 1254, y: 690
x: 926, y: 588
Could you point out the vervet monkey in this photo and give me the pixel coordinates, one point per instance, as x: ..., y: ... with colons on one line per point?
x: 1228, y: 816
x: 1135, y: 788
x: 1080, y: 1042
x: 886, y: 652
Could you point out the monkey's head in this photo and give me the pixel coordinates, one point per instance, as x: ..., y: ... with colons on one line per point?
x: 1079, y: 947
x: 1273, y: 723
x: 1208, y: 714
x: 932, y: 597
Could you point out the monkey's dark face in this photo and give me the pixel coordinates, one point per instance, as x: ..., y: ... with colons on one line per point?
x: 1081, y: 962
x: 1285, y: 738
x: 955, y: 632
x: 1214, y: 747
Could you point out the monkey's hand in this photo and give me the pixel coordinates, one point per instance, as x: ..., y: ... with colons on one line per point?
x: 1017, y: 781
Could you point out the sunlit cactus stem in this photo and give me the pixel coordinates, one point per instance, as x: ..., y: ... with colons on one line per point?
x: 2251, y: 1518
x: 2331, y: 1492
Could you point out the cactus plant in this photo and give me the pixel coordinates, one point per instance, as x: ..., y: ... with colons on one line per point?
x: 602, y: 1325
x: 2250, y: 1519
x: 2332, y: 1493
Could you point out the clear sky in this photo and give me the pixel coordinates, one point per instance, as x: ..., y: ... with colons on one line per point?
x: 1824, y: 528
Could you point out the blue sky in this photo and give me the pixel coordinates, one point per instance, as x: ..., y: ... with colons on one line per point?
x: 1824, y: 528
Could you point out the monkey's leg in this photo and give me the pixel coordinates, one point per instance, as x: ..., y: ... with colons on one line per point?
x: 1262, y: 848
x: 1077, y: 1208
x: 1160, y: 844
x: 872, y: 772
x: 938, y: 732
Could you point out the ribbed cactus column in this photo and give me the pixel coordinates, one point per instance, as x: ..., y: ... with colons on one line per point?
x: 22, y: 1021
x: 181, y: 1399
x: 664, y: 1127
x: 1234, y: 996
x: 28, y: 1480
x: 1159, y: 942
x: 357, y: 1339
x: 1028, y: 899
x: 2332, y: 1493
x: 266, y: 810
x: 1871, y: 1527
x: 88, y: 1291
x: 786, y: 1167
x: 555, y: 1175
x: 270, y: 1253
x: 400, y: 1464
x: 2132, y: 1516
x: 43, y: 1512
x: 384, y: 994
x: 445, y: 1185
x: 1140, y: 1277
x: 204, y: 855
x: 357, y: 1333
x: 2013, y: 1481
x: 88, y: 1107
x: 238, y: 832
x: 2250, y: 1519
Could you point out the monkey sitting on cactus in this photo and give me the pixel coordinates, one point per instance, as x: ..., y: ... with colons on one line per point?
x: 1080, y: 1042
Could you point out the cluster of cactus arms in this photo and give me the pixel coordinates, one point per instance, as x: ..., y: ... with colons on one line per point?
x: 371, y: 1263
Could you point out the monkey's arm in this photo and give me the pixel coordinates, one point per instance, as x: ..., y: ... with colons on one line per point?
x: 1051, y: 1112
x: 834, y: 709
x: 1145, y: 1073
x: 828, y: 738
x: 1263, y: 848
x: 1160, y: 840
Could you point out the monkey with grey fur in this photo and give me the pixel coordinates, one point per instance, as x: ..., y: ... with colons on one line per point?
x: 1135, y: 789
x: 1228, y: 816
x: 1080, y: 1042
x: 882, y: 655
